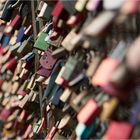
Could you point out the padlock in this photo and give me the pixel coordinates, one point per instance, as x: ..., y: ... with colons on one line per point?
x: 113, y: 62
x: 68, y: 42
x: 59, y: 11
x: 126, y: 71
x: 104, y: 82
x: 14, y: 24
x: 40, y: 42
x: 21, y: 36
x: 100, y: 24
x: 84, y: 132
x: 91, y: 114
x: 108, y: 109
x: 116, y: 130
x: 5, y: 41
x: 47, y: 64
x: 11, y: 65
x: 7, y: 11
x: 25, y: 47
x: 95, y: 62
x: 73, y: 66
x: 45, y: 12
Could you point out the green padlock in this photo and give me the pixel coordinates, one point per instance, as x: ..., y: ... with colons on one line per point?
x: 40, y: 43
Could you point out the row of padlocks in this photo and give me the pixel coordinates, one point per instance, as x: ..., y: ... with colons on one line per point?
x: 69, y: 69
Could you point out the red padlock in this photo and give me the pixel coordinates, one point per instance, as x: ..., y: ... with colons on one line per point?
x: 58, y: 9
x: 89, y: 113
x: 102, y: 78
x: 118, y: 131
x: 11, y: 65
x: 14, y: 24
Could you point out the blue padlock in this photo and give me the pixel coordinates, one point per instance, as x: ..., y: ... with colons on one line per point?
x: 7, y: 11
x: 5, y: 41
x: 21, y: 36
x: 84, y: 132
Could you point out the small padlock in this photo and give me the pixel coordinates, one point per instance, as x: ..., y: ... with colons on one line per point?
x: 5, y: 41
x: 21, y: 36
x: 84, y: 132
x: 45, y: 12
x: 11, y: 65
x: 40, y: 43
x: 73, y: 66
x: 47, y: 64
x: 91, y: 114
x: 108, y: 109
x: 25, y: 47
x: 7, y: 11
x: 14, y: 24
